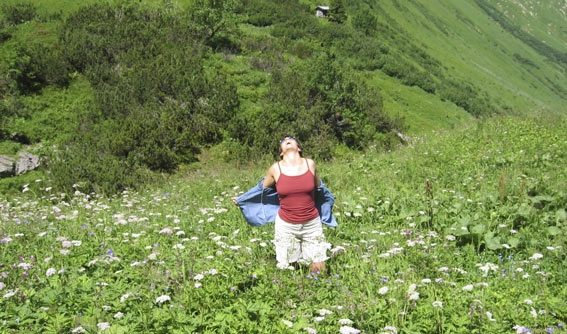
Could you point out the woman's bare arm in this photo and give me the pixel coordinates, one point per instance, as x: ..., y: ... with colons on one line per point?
x: 270, y: 179
x: 313, y: 168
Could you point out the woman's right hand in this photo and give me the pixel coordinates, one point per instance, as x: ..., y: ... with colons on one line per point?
x: 234, y: 201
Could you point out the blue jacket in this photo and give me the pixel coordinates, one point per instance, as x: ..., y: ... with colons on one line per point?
x: 260, y: 205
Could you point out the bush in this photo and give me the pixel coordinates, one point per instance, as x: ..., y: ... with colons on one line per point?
x: 89, y: 165
x: 27, y: 69
x: 365, y: 22
x: 468, y: 97
x: 319, y: 102
x: 18, y: 13
x: 156, y: 104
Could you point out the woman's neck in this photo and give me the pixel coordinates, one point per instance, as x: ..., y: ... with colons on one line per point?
x: 292, y: 158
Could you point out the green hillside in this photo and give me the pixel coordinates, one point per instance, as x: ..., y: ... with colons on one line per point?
x: 142, y: 87
x: 472, y: 46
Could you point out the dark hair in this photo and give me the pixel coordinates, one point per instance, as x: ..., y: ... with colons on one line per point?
x: 298, y: 145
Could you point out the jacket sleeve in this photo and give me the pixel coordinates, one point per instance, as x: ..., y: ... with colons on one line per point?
x: 324, y: 201
x: 259, y: 205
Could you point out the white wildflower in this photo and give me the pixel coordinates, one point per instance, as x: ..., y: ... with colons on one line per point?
x: 198, y: 277
x: 78, y: 330
x: 489, y: 316
x: 345, y: 321
x: 10, y: 293
x: 118, y: 315
x: 50, y: 272
x: 468, y: 287
x: 325, y: 312
x: 348, y: 330
x: 414, y: 296
x: 166, y: 230
x: 412, y: 288
x: 287, y: 323
x: 103, y: 325
x: 536, y: 256
x: 162, y: 299
x: 25, y: 265
x: 383, y: 290
x: 437, y: 303
x: 392, y: 329
x: 126, y: 296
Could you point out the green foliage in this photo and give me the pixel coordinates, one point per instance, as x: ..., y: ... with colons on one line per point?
x: 540, y: 47
x: 18, y: 13
x: 337, y: 12
x: 179, y: 257
x: 28, y: 68
x: 320, y: 103
x: 88, y: 162
x: 365, y: 22
x: 211, y: 17
x: 155, y: 103
x: 168, y: 80
x: 50, y: 117
x: 467, y: 97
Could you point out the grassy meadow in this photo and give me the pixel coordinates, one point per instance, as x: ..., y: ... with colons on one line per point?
x: 459, y: 232
x: 167, y: 114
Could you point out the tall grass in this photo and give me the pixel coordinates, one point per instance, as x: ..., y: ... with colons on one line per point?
x: 460, y: 232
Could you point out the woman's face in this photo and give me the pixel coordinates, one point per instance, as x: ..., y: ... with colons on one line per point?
x: 288, y: 142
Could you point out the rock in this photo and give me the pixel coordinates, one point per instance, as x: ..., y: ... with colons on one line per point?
x: 6, y: 165
x: 26, y: 163
x: 406, y: 139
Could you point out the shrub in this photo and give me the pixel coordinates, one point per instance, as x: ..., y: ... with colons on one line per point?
x: 365, y: 22
x: 467, y: 96
x: 156, y: 104
x: 86, y: 163
x: 321, y: 103
x: 19, y: 12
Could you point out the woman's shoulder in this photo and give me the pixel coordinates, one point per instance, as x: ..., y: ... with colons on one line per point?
x: 311, y: 162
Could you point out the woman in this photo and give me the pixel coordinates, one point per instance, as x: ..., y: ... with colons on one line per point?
x: 298, y: 231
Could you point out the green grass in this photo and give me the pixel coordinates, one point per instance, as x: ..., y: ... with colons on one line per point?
x: 421, y: 113
x: 475, y: 48
x: 484, y: 243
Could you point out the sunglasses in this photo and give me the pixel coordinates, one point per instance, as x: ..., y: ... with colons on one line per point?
x: 286, y: 138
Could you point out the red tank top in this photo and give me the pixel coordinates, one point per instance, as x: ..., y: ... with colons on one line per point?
x: 296, y: 197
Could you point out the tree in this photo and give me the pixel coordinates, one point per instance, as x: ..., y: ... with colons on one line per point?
x: 364, y: 22
x: 337, y: 12
x: 210, y: 17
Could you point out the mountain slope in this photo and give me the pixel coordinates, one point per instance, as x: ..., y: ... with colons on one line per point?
x: 494, y: 45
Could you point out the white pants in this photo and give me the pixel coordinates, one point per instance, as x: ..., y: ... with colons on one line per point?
x: 303, y: 243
